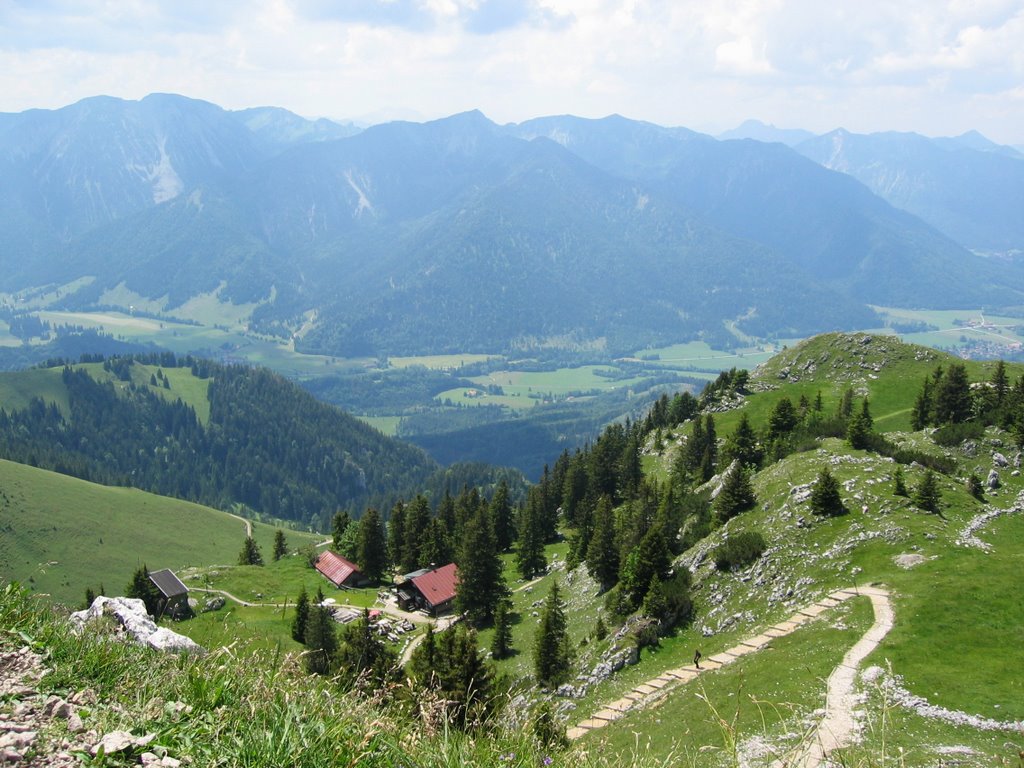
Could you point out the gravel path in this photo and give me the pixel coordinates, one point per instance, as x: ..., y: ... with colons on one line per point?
x: 837, y: 727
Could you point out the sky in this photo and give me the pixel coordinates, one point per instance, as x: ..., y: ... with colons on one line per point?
x: 938, y: 67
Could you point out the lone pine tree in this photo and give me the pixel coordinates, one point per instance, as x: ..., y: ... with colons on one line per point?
x: 825, y: 498
x: 250, y: 554
x: 552, y: 655
x: 280, y: 544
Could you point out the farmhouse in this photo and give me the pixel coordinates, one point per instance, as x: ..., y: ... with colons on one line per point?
x: 340, y: 572
x: 430, y: 591
x: 173, y: 593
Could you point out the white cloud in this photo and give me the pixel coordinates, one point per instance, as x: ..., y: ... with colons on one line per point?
x: 926, y: 65
x: 739, y: 57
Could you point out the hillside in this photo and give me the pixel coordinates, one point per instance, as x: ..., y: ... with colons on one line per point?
x: 606, y: 234
x: 62, y: 535
x: 970, y: 191
x: 946, y: 574
x: 213, y: 434
x: 933, y: 591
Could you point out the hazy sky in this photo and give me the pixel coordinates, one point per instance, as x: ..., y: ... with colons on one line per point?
x: 939, y: 67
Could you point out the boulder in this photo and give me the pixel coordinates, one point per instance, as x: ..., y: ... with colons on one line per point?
x: 993, y: 479
x: 999, y: 460
x: 213, y: 604
x: 130, y: 614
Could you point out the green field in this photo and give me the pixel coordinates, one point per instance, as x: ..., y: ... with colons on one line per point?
x: 17, y: 389
x: 526, y: 389
x: 61, y: 534
x: 275, y: 582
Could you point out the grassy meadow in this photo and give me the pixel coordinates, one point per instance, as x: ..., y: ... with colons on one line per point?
x: 61, y: 534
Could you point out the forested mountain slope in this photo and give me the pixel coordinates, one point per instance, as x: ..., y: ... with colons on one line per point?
x: 215, y: 434
x: 459, y: 234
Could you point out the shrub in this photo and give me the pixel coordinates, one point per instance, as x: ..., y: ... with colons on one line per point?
x: 952, y: 435
x: 739, y: 551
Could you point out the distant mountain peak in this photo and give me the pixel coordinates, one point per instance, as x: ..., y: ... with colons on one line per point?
x: 766, y: 132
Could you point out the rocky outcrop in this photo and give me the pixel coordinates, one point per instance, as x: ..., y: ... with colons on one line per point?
x: 133, y: 620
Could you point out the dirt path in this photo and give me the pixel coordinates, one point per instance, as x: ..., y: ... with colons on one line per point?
x: 527, y: 585
x: 243, y: 521
x: 835, y: 730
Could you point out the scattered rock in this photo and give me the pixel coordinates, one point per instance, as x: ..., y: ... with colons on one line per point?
x: 120, y: 741
x: 131, y: 614
x: 213, y: 604
x: 908, y: 560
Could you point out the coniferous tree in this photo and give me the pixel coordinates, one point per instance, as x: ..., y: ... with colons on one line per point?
x: 975, y: 488
x: 695, y: 447
x: 396, y: 535
x: 552, y: 655
x: 530, y: 559
x: 373, y: 549
x: 736, y: 494
x: 858, y: 428
x: 90, y: 597
x: 742, y: 445
x: 280, y: 544
x: 631, y: 473
x: 321, y: 642
x: 899, y: 487
x: 457, y: 670
x: 825, y: 498
x: 602, y: 553
x: 927, y: 494
x: 142, y: 588
x: 437, y: 548
x: 301, y: 618
x: 362, y: 656
x: 501, y: 517
x: 655, y: 603
x: 953, y: 396
x: 709, y: 459
x: 818, y: 405
x: 1000, y: 383
x: 422, y: 662
x: 348, y: 547
x: 250, y: 554
x: 921, y: 413
x: 339, y: 524
x: 446, y: 512
x: 649, y: 559
x: 782, y: 420
x: 845, y: 409
x: 501, y: 644
x: 417, y: 523
x: 480, y: 586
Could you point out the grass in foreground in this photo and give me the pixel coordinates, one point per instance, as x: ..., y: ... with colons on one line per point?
x: 260, y: 711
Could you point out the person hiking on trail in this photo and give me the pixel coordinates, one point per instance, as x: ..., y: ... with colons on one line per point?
x: 696, y: 658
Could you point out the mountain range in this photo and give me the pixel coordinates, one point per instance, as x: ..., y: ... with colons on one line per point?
x: 464, y: 235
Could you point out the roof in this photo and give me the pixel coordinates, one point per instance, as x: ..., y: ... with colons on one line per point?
x: 335, y: 567
x: 168, y: 584
x: 438, y: 586
x: 413, y: 574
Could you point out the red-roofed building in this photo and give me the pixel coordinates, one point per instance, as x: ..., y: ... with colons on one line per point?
x: 339, y: 571
x: 433, y: 591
